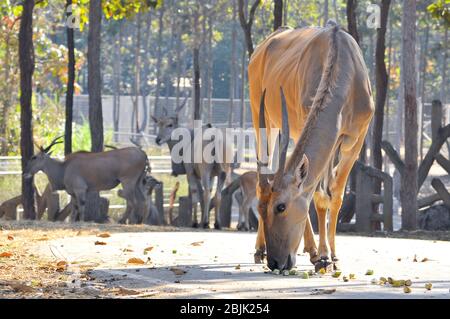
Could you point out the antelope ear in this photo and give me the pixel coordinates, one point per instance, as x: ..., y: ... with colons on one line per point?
x: 301, y: 171
x: 154, y: 119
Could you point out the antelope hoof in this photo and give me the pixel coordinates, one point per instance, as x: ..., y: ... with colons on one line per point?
x: 259, y: 256
x: 335, y: 261
x: 217, y: 226
x: 323, y: 263
x: 241, y: 227
x: 205, y: 225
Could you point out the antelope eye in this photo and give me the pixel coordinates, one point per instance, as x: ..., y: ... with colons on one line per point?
x: 281, y: 208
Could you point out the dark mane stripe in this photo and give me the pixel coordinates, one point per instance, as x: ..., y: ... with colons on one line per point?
x: 327, y: 83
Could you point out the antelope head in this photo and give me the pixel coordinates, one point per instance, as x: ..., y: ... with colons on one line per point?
x: 283, y: 206
x: 37, y: 161
x: 167, y: 123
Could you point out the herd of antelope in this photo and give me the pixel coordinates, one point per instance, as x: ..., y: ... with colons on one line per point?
x: 312, y: 83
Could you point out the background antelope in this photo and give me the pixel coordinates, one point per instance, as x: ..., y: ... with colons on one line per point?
x: 327, y: 110
x: 247, y: 189
x: 201, y: 175
x: 84, y: 172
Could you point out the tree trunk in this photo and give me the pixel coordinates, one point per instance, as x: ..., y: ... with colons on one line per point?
x: 408, y: 192
x: 210, y: 69
x: 137, y: 72
x: 444, y: 84
x: 247, y: 25
x: 156, y: 112
x: 232, y: 67
x: 94, y: 76
x: 196, y: 66
x: 336, y: 12
x: 243, y: 108
x: 7, y: 94
x: 70, y: 85
x: 145, y: 70
x: 381, y: 91
x: 117, y: 75
x: 277, y: 14
x: 26, y: 64
x: 387, y: 126
x: 351, y: 19
x: 423, y: 64
x: 325, y: 12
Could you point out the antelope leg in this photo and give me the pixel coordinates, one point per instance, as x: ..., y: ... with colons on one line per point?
x: 260, y: 243
x: 310, y: 243
x: 337, y: 187
x: 218, y: 197
x: 321, y: 203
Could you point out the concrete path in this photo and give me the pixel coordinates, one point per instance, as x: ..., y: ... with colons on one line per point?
x: 220, y: 265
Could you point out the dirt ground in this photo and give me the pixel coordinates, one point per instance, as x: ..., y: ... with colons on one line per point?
x: 55, y: 260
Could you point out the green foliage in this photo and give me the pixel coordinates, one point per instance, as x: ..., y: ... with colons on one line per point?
x: 440, y: 10
x: 81, y: 139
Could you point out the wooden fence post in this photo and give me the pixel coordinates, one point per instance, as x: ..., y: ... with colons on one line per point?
x: 363, y: 202
x: 184, y: 218
x: 159, y: 202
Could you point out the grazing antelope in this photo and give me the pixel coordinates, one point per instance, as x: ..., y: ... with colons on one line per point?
x: 201, y: 175
x: 327, y: 107
x: 247, y: 189
x: 84, y: 172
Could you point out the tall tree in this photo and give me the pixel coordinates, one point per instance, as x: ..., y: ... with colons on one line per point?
x: 277, y: 14
x: 156, y: 112
x: 232, y: 66
x: 247, y: 23
x: 408, y: 192
x: 70, y: 81
x: 94, y: 76
x: 137, y: 73
x: 381, y: 88
x: 26, y: 64
x: 195, y: 61
x: 326, y: 12
x: 352, y: 5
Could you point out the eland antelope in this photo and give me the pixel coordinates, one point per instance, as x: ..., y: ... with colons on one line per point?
x: 200, y: 175
x: 83, y: 172
x: 326, y: 105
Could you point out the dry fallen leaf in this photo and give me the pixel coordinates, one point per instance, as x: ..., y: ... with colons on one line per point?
x: 101, y: 243
x: 127, y: 292
x: 6, y: 254
x: 61, y: 266
x: 127, y: 250
x: 406, y: 290
x: 237, y: 267
x: 323, y: 291
x: 178, y: 271
x: 424, y: 260
x: 428, y: 286
x: 148, y: 249
x: 135, y: 260
x: 10, y: 237
x: 197, y: 243
x: 415, y: 258
x: 18, y: 287
x: 104, y: 235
